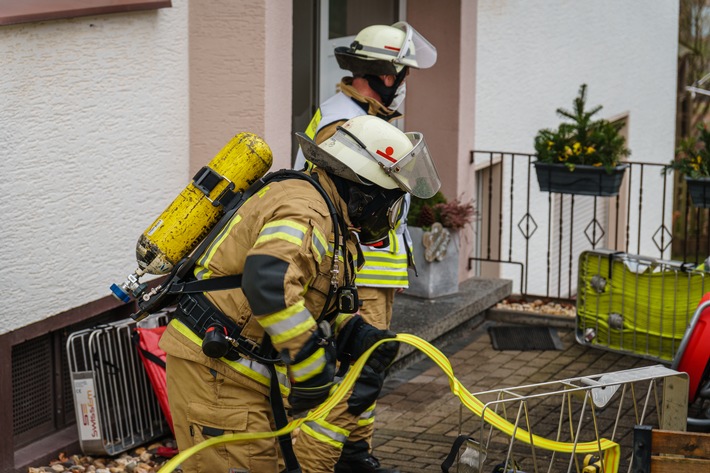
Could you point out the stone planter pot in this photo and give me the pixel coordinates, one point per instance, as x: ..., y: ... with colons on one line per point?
x: 699, y: 190
x: 438, y: 277
x: 584, y: 180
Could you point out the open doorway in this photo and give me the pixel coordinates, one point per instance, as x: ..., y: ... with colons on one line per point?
x: 318, y: 28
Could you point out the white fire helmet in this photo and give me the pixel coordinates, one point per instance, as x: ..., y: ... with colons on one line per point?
x: 369, y: 150
x: 385, y: 50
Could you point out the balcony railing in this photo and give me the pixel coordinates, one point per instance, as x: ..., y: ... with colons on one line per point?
x: 535, y: 238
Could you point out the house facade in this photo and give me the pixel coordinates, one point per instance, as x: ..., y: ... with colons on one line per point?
x: 108, y: 113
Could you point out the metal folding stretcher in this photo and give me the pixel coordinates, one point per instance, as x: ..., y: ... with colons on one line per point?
x: 635, y: 304
x: 655, y: 309
x: 116, y: 408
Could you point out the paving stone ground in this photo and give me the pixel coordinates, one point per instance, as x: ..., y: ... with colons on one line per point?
x: 418, y: 417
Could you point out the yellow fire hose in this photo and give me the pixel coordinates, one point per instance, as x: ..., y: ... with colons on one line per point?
x: 611, y: 449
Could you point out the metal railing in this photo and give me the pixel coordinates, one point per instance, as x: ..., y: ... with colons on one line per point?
x: 535, y: 238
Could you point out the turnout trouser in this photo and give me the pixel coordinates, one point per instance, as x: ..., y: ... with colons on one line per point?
x: 377, y: 311
x: 206, y: 404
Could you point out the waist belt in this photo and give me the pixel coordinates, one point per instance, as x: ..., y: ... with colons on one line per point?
x: 197, y: 313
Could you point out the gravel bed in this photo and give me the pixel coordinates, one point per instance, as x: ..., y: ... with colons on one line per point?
x: 144, y: 459
x: 540, y: 307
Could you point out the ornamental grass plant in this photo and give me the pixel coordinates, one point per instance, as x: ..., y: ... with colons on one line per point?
x: 581, y: 140
x: 692, y: 157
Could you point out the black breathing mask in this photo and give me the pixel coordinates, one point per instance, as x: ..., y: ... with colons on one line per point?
x: 375, y: 211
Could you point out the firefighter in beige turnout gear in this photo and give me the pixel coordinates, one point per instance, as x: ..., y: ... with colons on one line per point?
x: 283, y: 243
x: 380, y: 59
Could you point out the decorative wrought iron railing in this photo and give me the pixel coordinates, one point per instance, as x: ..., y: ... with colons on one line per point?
x: 535, y: 237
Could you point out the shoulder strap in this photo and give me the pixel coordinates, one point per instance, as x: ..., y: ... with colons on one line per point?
x: 178, y: 281
x: 206, y: 285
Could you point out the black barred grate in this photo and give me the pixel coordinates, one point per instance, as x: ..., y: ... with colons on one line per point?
x: 67, y: 388
x: 42, y: 390
x: 523, y: 338
x: 32, y: 386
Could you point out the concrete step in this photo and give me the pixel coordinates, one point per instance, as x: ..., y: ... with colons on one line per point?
x: 442, y: 320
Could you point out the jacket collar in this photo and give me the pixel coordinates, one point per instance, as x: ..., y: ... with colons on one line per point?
x: 368, y: 104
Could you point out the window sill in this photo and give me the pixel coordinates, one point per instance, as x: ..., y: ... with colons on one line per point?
x: 13, y: 12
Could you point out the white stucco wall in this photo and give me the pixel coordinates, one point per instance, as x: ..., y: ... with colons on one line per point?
x: 93, y: 145
x: 532, y: 56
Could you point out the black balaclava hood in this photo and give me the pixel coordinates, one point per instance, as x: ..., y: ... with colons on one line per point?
x: 386, y: 93
x: 368, y: 209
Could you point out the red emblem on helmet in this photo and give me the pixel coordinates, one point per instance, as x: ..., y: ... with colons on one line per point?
x: 387, y: 154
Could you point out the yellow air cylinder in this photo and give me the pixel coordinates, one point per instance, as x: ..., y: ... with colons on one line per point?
x: 189, y: 218
x: 193, y: 213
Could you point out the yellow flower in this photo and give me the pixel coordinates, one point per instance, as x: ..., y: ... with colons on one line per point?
x: 597, y: 164
x: 549, y: 144
x: 563, y: 157
x: 577, y: 147
x: 568, y: 151
x: 590, y: 149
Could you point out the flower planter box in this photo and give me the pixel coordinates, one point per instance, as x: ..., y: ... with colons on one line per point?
x: 436, y: 278
x: 699, y: 190
x: 584, y: 180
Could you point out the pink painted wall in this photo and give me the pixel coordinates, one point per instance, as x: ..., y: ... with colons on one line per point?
x: 441, y: 100
x: 240, y: 75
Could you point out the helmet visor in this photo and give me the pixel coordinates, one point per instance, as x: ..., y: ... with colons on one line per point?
x: 415, y: 172
x: 422, y: 52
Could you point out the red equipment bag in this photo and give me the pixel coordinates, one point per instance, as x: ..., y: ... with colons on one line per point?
x: 693, y: 356
x: 153, y: 358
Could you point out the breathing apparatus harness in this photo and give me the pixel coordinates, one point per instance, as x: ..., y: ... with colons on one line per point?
x: 221, y: 336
